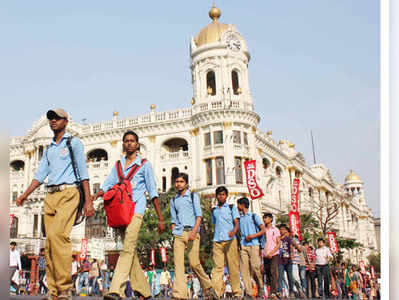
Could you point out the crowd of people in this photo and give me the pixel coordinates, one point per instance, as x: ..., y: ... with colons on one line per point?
x: 262, y: 260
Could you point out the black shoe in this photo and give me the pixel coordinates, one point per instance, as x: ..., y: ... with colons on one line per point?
x: 112, y: 296
x: 211, y: 294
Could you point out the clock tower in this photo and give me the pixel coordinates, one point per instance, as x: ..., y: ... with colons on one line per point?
x: 219, y: 65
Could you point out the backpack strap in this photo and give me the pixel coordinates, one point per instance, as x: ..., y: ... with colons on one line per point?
x: 135, y: 169
x: 119, y: 172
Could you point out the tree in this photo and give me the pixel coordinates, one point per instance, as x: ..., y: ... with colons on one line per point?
x: 326, y: 210
x: 375, y: 260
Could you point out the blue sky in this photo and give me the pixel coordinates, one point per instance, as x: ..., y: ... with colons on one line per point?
x: 314, y: 66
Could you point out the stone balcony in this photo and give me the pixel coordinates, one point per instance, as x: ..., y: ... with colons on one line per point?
x: 17, y: 174
x: 175, y: 156
x: 98, y: 164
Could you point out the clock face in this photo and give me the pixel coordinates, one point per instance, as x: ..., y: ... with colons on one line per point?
x: 233, y: 42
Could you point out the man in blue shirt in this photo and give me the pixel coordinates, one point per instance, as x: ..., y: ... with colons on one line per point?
x: 186, y: 216
x: 250, y: 254
x: 61, y: 203
x: 225, y: 247
x: 128, y: 265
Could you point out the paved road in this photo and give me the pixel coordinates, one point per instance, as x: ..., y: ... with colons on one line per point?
x: 79, y: 298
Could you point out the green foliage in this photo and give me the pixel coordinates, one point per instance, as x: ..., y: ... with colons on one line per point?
x: 375, y: 260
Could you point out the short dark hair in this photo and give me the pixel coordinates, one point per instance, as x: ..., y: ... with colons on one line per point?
x: 284, y: 226
x: 221, y: 189
x: 267, y: 215
x: 243, y: 201
x: 13, y: 244
x: 320, y: 239
x: 305, y: 243
x: 130, y: 132
x: 182, y: 175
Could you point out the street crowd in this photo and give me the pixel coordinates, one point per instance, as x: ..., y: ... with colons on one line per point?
x: 252, y: 258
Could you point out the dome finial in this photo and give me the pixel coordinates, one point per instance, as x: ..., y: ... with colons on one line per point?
x: 215, y: 12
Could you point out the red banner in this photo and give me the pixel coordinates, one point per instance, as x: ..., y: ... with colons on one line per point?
x: 295, y: 195
x: 362, y: 267
x: 153, y: 257
x: 11, y: 219
x: 250, y: 171
x: 295, y: 224
x: 332, y: 241
x: 83, y: 249
x: 372, y: 272
x: 163, y: 255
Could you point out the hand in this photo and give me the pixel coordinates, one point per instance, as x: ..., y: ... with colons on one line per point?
x: 248, y: 238
x: 88, y: 209
x: 192, y: 236
x: 21, y: 272
x: 231, y: 234
x: 268, y: 256
x: 20, y: 200
x: 161, y: 226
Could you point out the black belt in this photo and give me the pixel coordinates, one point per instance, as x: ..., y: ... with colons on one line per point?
x: 188, y: 228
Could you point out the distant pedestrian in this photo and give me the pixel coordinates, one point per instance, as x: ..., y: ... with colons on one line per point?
x: 42, y: 272
x: 15, y: 264
x: 323, y: 257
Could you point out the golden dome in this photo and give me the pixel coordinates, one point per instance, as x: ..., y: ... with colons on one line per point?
x: 352, y: 176
x: 115, y: 113
x: 152, y: 106
x: 213, y: 32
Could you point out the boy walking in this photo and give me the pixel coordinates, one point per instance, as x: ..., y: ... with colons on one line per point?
x: 186, y: 216
x: 271, y: 254
x: 61, y: 203
x: 250, y: 258
x: 225, y: 244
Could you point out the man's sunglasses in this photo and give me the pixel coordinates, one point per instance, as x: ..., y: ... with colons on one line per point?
x: 55, y: 117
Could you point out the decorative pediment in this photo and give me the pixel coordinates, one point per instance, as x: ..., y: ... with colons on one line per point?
x: 42, y: 131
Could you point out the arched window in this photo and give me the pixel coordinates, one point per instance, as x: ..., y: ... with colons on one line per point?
x: 174, y: 173
x: 211, y: 83
x: 17, y: 165
x: 14, y: 228
x: 278, y: 171
x: 310, y: 192
x: 235, y: 83
x: 97, y: 155
x: 265, y: 163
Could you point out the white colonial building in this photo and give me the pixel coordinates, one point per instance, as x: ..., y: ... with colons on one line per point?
x: 209, y: 140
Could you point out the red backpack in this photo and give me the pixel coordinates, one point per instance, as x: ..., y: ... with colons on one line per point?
x: 118, y: 204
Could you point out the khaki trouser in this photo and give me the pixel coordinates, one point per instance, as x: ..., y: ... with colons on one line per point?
x: 179, y: 246
x: 226, y: 250
x: 250, y: 265
x: 59, y: 215
x: 128, y: 263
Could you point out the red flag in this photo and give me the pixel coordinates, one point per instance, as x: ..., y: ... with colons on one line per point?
x: 83, y: 249
x: 295, y: 224
x: 153, y: 257
x: 163, y: 255
x: 332, y: 241
x: 11, y: 219
x: 250, y: 171
x: 295, y: 195
x: 372, y: 272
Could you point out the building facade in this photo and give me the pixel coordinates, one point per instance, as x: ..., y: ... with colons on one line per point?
x: 210, y: 141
